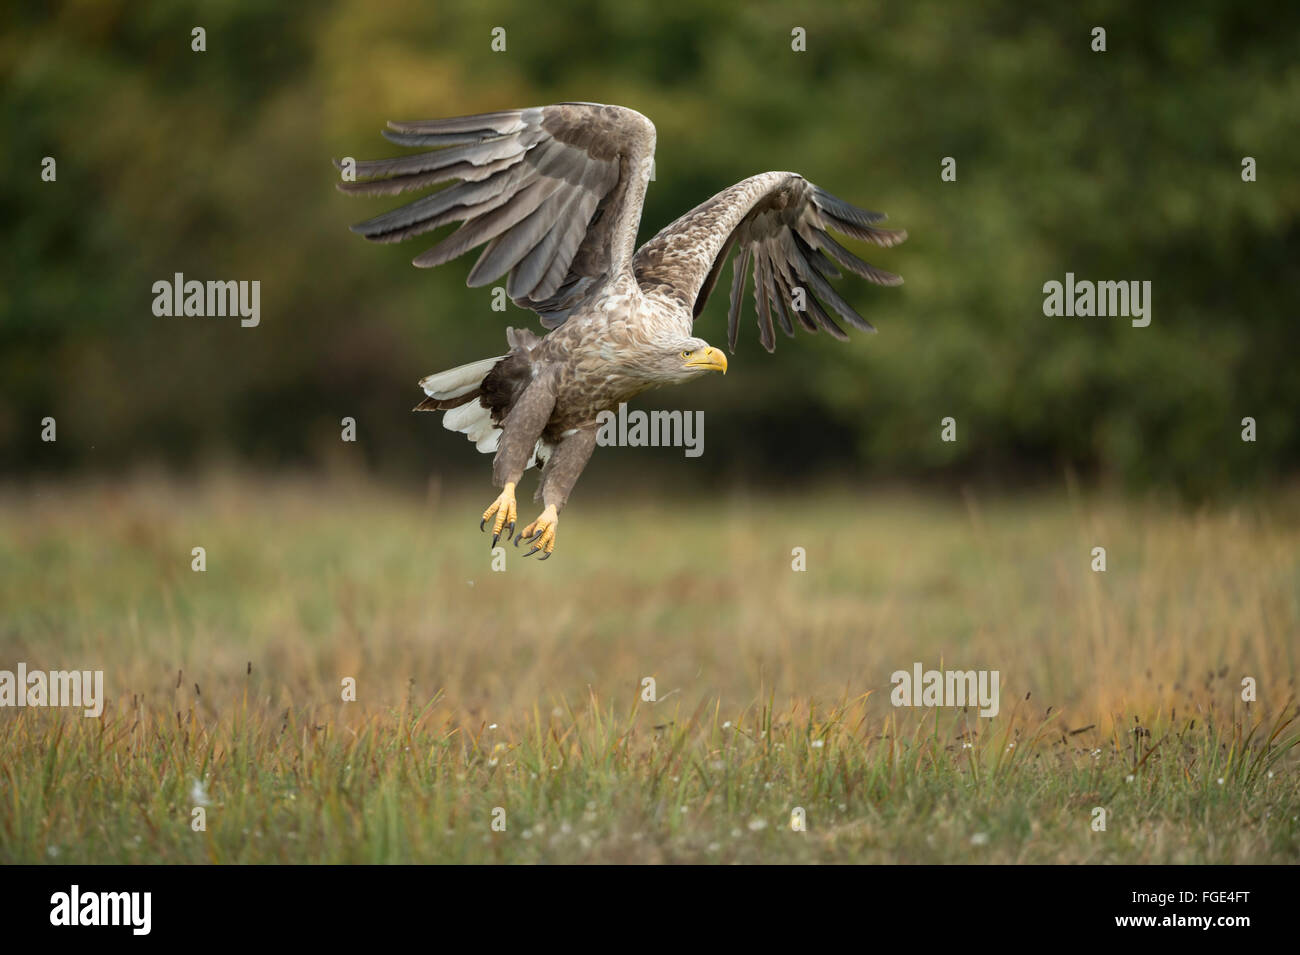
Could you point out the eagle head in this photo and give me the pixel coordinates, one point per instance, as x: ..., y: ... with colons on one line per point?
x: 689, y: 358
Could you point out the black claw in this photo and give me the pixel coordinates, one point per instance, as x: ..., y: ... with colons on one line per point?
x: 546, y: 555
x: 482, y: 524
x: 495, y: 538
x: 510, y: 529
x: 532, y: 552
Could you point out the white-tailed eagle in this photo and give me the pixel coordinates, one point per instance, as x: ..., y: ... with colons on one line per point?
x: 556, y: 192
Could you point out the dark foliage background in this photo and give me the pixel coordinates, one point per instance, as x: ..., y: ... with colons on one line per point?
x: 1122, y: 165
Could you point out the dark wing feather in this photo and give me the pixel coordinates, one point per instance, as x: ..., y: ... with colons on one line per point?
x: 782, y: 223
x: 554, y: 192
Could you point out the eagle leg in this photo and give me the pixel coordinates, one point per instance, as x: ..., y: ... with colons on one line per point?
x: 504, y: 509
x: 541, y: 533
x: 520, y: 430
x: 558, y: 477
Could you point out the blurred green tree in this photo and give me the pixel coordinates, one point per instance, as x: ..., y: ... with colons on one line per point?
x: 1122, y: 165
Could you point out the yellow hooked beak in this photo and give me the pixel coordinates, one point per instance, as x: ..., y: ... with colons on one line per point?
x: 710, y: 359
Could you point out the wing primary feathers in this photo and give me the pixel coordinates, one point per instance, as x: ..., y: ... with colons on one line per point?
x: 476, y: 154
x: 507, y: 249
x: 462, y: 201
x: 820, y: 288
x: 801, y: 315
x: 779, y: 297
x: 823, y: 319
x: 740, y: 270
x: 547, y: 297
x: 532, y: 268
x: 712, y: 279
x: 502, y: 121
x: 855, y: 265
x: 881, y: 237
x: 772, y: 285
x: 787, y: 281
x: 553, y: 194
x: 826, y: 292
x: 467, y: 172
x: 815, y: 256
x: 487, y: 226
x: 843, y: 210
x: 765, y: 334
x: 436, y: 139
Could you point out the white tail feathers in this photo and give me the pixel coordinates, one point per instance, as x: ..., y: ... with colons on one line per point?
x: 472, y: 419
x: 458, y: 381
x: 475, y: 422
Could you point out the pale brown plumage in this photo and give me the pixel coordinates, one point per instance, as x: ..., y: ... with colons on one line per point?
x: 555, y: 194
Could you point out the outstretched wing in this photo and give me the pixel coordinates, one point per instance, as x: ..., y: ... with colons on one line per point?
x: 780, y: 222
x: 554, y: 191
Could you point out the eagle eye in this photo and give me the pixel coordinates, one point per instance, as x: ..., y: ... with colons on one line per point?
x: 686, y: 354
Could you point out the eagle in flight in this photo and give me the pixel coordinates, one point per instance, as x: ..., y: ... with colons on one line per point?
x: 556, y: 193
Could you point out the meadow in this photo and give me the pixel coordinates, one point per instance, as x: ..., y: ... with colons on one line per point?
x: 517, y: 697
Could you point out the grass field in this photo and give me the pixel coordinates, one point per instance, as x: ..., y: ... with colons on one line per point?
x: 522, y: 689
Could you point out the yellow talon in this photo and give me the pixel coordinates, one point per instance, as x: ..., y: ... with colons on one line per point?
x: 504, y: 509
x: 540, y: 533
